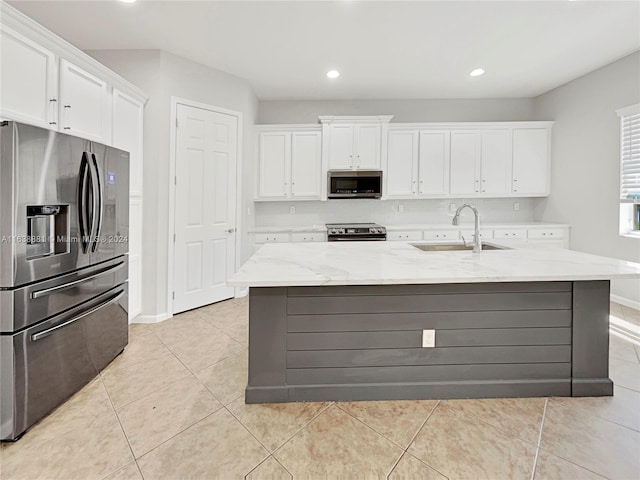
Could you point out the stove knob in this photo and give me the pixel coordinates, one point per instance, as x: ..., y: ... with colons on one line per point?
x: 333, y: 231
x: 341, y: 231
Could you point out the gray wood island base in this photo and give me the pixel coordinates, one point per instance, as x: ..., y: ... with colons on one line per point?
x: 352, y: 342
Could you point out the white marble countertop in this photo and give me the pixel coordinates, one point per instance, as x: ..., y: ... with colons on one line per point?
x: 384, y: 263
x: 404, y: 227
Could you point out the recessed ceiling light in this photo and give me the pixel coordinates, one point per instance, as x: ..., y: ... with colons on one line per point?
x: 477, y: 72
x: 127, y: 1
x: 333, y: 74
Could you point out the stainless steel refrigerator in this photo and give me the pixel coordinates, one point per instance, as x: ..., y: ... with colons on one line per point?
x: 64, y: 226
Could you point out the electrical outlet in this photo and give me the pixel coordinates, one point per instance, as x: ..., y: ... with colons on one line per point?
x: 428, y: 338
x: 516, y: 206
x: 400, y: 208
x: 292, y: 209
x: 452, y: 207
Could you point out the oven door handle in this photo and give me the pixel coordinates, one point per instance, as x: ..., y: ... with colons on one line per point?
x: 45, y: 333
x: 66, y: 286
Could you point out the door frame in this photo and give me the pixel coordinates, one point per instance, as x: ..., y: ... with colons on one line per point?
x: 173, y: 144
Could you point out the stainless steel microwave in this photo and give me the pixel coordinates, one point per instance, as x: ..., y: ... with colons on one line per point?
x: 354, y: 184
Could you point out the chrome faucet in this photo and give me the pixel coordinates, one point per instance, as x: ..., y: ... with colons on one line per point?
x: 477, y: 243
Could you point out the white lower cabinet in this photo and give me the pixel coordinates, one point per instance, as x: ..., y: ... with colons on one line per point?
x: 308, y: 237
x: 485, y: 234
x: 441, y: 235
x: 510, y: 233
x: 404, y: 236
x: 271, y: 237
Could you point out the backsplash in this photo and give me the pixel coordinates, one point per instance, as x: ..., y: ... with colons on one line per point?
x: 386, y: 212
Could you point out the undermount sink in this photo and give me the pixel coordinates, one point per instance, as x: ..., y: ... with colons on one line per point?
x: 452, y: 247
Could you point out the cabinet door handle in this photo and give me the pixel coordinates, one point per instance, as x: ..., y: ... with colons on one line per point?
x: 52, y: 102
x: 67, y: 127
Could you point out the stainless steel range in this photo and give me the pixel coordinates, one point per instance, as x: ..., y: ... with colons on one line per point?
x: 355, y: 232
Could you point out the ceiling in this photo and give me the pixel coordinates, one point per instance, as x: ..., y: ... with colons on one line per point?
x: 383, y: 49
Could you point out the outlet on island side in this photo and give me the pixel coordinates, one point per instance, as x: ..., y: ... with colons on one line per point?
x: 516, y: 206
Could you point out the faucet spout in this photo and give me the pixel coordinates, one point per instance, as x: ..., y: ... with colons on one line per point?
x: 477, y: 243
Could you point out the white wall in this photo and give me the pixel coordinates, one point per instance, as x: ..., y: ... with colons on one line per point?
x: 163, y: 75
x: 585, y: 167
x: 435, y: 110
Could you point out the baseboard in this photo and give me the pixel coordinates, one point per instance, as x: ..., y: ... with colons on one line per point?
x: 151, y: 318
x: 242, y: 292
x: 625, y: 301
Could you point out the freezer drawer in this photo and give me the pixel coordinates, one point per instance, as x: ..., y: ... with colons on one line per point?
x: 42, y: 366
x: 26, y: 306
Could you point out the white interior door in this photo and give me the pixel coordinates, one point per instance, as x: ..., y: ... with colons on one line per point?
x: 205, y: 210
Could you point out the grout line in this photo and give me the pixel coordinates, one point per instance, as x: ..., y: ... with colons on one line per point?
x: 302, y: 428
x: 115, y: 412
x: 393, y: 467
x: 535, y: 458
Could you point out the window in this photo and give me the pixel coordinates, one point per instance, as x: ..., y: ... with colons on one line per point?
x: 630, y: 170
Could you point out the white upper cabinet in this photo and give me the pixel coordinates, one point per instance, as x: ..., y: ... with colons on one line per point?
x: 354, y: 143
x: 28, y: 81
x: 433, y: 172
x: 495, y: 161
x: 417, y: 163
x: 273, y: 161
x: 84, y: 102
x: 306, y: 148
x: 354, y: 146
x: 465, y: 156
x: 402, y: 164
x: 341, y: 146
x: 505, y: 159
x: 367, y: 146
x: 531, y: 147
x: 289, y: 164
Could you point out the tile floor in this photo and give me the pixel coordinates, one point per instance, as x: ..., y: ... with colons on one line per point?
x: 172, y: 407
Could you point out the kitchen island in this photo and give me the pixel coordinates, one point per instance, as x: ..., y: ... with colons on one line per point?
x: 386, y: 320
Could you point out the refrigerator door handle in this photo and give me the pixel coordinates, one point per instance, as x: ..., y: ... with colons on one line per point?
x: 45, y: 333
x: 66, y: 286
x: 83, y: 200
x: 98, y: 204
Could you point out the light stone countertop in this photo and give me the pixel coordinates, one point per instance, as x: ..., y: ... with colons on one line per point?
x: 385, y: 263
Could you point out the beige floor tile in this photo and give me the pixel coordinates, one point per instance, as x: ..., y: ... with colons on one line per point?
x: 181, y: 328
x: 623, y: 408
x: 598, y: 445
x: 216, y: 447
x: 625, y: 374
x: 622, y: 350
x: 130, y: 472
x: 92, y: 452
x: 463, y: 447
x: 410, y: 468
x: 76, y: 414
x: 335, y: 444
x: 270, y: 469
x: 226, y: 379
x: 630, y: 313
x: 140, y: 329
x: 208, y: 350
x: 521, y: 417
x: 131, y: 382
x: 239, y: 331
x: 274, y: 423
x: 157, y: 417
x: 399, y: 421
x: 550, y: 467
x: 140, y: 348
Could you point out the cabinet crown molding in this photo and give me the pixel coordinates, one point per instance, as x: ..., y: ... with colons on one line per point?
x: 472, y: 125
x: 14, y: 19
x: 355, y: 118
